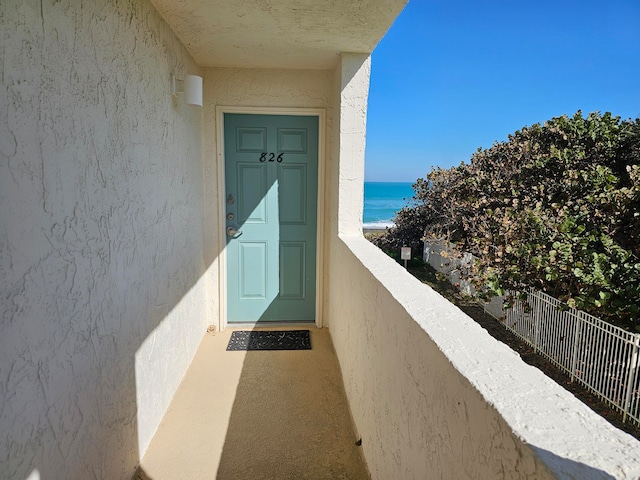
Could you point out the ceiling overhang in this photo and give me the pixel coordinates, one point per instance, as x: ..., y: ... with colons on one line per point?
x: 305, y: 34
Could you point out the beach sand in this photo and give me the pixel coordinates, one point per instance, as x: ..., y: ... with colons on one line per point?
x: 372, y: 232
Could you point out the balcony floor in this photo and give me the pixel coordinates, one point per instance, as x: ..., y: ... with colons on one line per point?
x: 258, y: 415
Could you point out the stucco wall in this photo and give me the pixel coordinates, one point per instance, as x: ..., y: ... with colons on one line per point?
x: 434, y: 396
x: 352, y: 95
x: 234, y: 87
x: 101, y: 238
x: 345, y: 174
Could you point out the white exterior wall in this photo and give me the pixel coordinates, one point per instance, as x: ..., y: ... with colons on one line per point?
x: 434, y: 396
x: 354, y: 73
x: 101, y: 238
x: 259, y: 89
x: 438, y: 254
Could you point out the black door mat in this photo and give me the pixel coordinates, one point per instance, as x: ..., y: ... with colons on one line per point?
x: 270, y: 340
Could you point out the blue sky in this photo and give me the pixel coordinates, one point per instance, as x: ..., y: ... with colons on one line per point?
x: 454, y: 75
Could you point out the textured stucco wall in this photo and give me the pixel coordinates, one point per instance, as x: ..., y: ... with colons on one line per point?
x: 434, y: 396
x: 345, y: 174
x: 101, y: 237
x: 352, y: 96
x: 236, y: 87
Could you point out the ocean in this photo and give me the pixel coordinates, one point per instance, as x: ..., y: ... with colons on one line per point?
x: 382, y: 200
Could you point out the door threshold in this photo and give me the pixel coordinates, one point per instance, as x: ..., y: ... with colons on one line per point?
x: 280, y: 325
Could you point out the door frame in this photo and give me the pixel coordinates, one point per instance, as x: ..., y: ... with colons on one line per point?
x: 222, y: 258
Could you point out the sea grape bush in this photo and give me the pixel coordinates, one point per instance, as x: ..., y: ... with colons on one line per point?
x: 555, y: 207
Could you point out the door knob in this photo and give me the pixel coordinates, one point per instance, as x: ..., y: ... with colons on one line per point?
x: 232, y: 232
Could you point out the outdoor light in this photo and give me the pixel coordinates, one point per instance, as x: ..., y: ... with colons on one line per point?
x: 191, y: 87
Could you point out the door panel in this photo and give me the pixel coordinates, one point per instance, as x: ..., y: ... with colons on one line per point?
x: 293, y: 194
x: 271, y: 165
x: 253, y: 270
x: 292, y: 140
x: 252, y: 193
x: 292, y: 270
x: 251, y: 140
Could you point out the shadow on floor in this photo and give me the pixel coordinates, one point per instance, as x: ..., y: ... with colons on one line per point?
x: 258, y: 415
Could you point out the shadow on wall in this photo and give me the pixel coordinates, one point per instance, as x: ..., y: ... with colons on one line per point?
x: 439, y: 390
x: 100, y: 235
x: 566, y: 468
x: 141, y: 475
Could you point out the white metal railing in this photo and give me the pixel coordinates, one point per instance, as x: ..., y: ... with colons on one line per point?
x: 599, y: 355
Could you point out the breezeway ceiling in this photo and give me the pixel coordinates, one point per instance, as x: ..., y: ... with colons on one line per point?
x: 277, y: 33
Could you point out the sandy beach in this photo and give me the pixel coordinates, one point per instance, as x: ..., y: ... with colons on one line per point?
x: 366, y: 230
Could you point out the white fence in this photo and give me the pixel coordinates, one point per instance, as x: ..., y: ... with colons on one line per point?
x: 436, y: 254
x: 595, y: 353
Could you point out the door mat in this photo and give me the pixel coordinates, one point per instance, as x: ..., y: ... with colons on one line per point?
x: 270, y: 340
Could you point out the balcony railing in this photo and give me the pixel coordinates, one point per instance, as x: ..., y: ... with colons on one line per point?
x: 433, y: 395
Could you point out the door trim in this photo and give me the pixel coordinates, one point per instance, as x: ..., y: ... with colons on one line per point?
x: 222, y: 258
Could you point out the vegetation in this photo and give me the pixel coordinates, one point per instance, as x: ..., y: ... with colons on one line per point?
x: 555, y: 207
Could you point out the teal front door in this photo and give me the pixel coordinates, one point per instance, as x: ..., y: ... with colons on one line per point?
x: 271, y: 181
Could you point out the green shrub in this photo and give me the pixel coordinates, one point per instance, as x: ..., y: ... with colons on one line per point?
x: 556, y: 207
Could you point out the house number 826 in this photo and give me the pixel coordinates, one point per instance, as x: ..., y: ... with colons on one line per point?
x: 271, y: 157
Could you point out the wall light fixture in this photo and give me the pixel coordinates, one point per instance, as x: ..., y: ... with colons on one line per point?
x: 191, y: 86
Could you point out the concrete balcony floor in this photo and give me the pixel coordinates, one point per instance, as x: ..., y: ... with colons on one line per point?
x: 257, y: 415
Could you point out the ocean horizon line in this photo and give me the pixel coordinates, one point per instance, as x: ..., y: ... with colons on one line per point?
x: 382, y: 201
x: 387, y: 181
